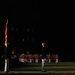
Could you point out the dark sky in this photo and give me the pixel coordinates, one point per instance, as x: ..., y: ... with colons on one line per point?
x: 53, y: 22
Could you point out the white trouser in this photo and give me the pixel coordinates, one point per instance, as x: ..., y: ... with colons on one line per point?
x: 6, y: 66
x: 36, y: 60
x: 49, y: 60
x: 56, y: 60
x: 43, y: 61
x: 30, y: 60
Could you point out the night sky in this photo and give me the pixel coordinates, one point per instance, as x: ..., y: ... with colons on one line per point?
x: 32, y: 22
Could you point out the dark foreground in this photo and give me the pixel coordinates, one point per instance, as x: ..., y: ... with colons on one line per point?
x: 38, y: 73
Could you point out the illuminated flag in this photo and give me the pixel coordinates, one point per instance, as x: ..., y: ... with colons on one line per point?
x: 6, y: 34
x: 5, y: 43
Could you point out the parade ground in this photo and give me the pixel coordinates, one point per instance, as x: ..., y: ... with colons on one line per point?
x: 60, y: 68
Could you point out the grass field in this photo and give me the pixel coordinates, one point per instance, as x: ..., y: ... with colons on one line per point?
x: 60, y: 66
x: 48, y: 66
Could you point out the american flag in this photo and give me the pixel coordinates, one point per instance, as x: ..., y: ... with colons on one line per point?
x: 6, y: 33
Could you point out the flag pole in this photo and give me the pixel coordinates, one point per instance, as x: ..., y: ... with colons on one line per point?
x: 5, y: 54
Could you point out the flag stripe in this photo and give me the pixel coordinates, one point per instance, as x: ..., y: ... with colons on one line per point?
x: 6, y: 34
